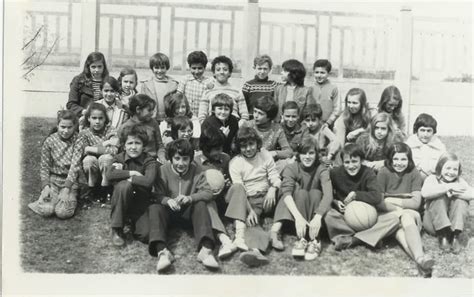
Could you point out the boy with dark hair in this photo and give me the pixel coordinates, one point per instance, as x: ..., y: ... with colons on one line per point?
x: 193, y: 85
x: 325, y: 93
x: 260, y: 85
x: 133, y: 173
x: 356, y: 182
x: 222, y: 68
x: 425, y: 145
x: 141, y: 112
x: 291, y: 123
x: 181, y: 194
x: 160, y: 84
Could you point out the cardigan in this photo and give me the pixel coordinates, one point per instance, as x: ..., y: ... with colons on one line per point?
x: 295, y: 177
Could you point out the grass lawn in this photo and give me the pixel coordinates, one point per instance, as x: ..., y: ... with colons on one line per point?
x: 82, y: 244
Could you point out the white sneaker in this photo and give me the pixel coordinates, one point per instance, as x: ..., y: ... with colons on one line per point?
x: 313, y: 250
x: 206, y: 257
x: 165, y: 258
x: 226, y: 250
x: 240, y: 244
x: 299, y: 248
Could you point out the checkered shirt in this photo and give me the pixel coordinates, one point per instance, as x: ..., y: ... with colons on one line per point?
x: 193, y: 90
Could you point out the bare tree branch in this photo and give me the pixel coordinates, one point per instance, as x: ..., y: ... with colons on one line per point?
x: 34, y: 37
x: 27, y: 59
x: 44, y: 59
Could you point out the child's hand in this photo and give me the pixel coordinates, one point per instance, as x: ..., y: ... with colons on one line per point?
x: 300, y: 226
x: 315, y: 226
x: 89, y: 150
x: 173, y: 205
x: 117, y: 166
x: 269, y: 200
x: 339, y: 205
x: 456, y: 188
x: 351, y: 136
x: 350, y: 197
x: 252, y: 218
x: 134, y: 173
x: 325, y: 125
x: 183, y: 200
x: 45, y: 192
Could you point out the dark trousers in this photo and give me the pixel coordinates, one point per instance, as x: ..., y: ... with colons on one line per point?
x: 152, y: 226
x: 128, y: 201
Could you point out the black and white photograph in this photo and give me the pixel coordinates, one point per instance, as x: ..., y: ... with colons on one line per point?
x: 237, y: 148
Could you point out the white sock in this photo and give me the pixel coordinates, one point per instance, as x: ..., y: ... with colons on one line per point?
x: 239, y: 229
x: 276, y: 227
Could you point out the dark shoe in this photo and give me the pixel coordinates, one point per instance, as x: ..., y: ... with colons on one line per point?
x: 456, y: 246
x: 253, y: 258
x: 117, y: 237
x: 342, y: 242
x: 425, y: 265
x: 444, y: 244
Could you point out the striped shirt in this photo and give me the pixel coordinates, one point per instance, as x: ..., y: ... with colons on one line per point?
x: 56, y: 155
x: 117, y: 116
x: 193, y: 90
x: 96, y: 88
x: 205, y: 105
x: 88, y: 137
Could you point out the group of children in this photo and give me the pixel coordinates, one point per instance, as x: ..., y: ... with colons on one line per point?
x: 200, y: 149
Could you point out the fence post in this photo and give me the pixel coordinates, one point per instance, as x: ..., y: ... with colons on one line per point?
x: 251, y: 36
x: 404, y: 70
x: 89, y: 28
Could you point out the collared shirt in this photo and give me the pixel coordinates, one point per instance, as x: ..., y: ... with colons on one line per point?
x: 193, y: 89
x: 56, y: 155
x: 117, y: 116
x: 426, y: 155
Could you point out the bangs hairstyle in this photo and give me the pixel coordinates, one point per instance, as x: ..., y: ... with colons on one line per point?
x: 197, y: 57
x: 113, y: 83
x: 445, y: 158
x: 222, y: 99
x: 313, y: 111
x: 262, y: 59
x: 245, y: 135
x: 224, y: 60
x: 141, y: 101
x: 127, y: 71
x: 307, y: 143
x: 95, y: 106
x: 180, y: 123
x: 159, y: 60
x: 290, y: 105
x: 425, y: 120
x: 173, y: 102
x: 324, y: 64
x: 268, y: 105
x: 181, y: 147
x: 402, y: 148
x: 211, y: 137
x: 362, y: 118
x: 65, y: 114
x: 391, y: 92
x: 93, y: 58
x: 296, y: 71
x: 137, y: 130
x: 352, y: 150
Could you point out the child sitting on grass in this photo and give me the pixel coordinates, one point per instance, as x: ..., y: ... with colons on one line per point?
x: 447, y: 197
x: 133, y: 174
x: 222, y: 119
x: 426, y: 146
x: 56, y: 155
x: 306, y: 196
x: 182, y: 193
x: 253, y: 193
x: 141, y: 112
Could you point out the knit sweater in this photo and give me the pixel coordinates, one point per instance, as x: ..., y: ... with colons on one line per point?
x: 295, y: 177
x: 364, y: 184
x: 171, y: 184
x: 256, y: 88
x: 426, y: 155
x: 273, y: 139
x: 392, y: 183
x: 240, y: 107
x: 256, y: 174
x: 327, y: 95
x: 157, y: 89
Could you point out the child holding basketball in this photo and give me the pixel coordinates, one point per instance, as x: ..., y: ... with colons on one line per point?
x: 325, y: 93
x: 159, y: 84
x: 253, y: 193
x: 401, y: 187
x: 306, y: 196
x: 293, y: 88
x: 354, y: 181
x: 56, y: 154
x: 426, y: 146
x: 446, y: 195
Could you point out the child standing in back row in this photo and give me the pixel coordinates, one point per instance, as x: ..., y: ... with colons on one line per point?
x: 159, y: 84
x: 260, y: 85
x: 128, y: 81
x: 325, y: 93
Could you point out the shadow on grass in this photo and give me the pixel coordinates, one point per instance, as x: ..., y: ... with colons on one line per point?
x: 82, y: 243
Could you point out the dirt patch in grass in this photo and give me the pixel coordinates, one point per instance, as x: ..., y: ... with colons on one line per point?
x: 82, y: 244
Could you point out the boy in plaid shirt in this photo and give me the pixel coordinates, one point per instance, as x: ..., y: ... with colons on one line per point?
x: 194, y: 84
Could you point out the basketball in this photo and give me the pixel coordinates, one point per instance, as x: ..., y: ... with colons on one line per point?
x: 360, y: 215
x: 216, y: 180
